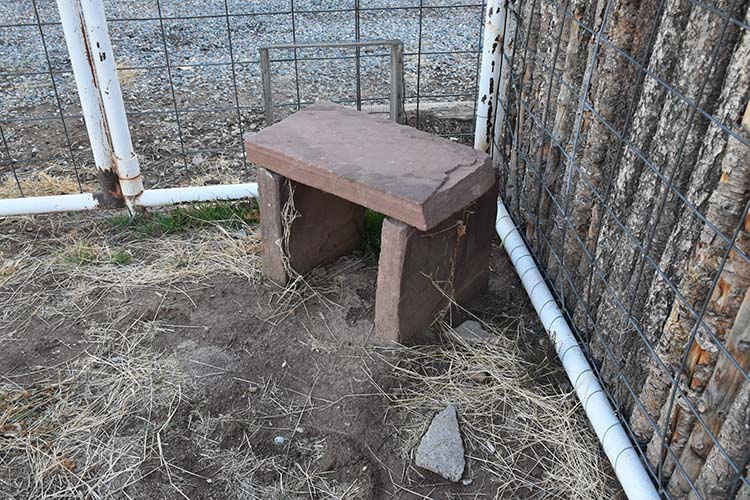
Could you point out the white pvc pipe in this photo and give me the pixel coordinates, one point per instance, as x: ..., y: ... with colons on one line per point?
x: 125, y: 160
x: 628, y: 467
x: 158, y: 197
x: 47, y: 204
x: 71, y: 17
x: 149, y: 198
x: 489, y: 75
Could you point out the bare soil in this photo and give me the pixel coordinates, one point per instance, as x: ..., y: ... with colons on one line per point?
x: 314, y: 376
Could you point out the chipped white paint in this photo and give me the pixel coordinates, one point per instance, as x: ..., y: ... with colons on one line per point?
x: 71, y: 17
x: 489, y: 75
x: 125, y: 161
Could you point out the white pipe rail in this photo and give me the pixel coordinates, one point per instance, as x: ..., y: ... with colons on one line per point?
x: 489, y: 75
x: 149, y: 198
x: 219, y: 192
x: 628, y: 467
x: 48, y: 204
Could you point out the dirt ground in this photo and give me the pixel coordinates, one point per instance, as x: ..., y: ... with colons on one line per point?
x: 141, y: 366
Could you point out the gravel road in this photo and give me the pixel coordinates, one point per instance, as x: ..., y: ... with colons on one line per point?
x: 197, y: 37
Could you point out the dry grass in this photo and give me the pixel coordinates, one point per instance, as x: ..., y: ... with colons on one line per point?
x: 517, y: 424
x: 98, y: 426
x: 71, y: 272
x: 87, y: 429
x: 40, y: 184
x: 94, y: 428
x: 298, y: 474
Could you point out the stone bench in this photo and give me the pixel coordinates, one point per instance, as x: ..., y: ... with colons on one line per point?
x: 439, y: 198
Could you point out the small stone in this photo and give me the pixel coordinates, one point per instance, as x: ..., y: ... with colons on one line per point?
x: 467, y: 482
x: 279, y: 440
x: 441, y: 449
x: 490, y: 447
x: 472, y: 332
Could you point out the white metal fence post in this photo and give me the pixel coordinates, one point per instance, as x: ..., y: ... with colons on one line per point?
x: 80, y: 53
x: 124, y: 159
x: 489, y: 76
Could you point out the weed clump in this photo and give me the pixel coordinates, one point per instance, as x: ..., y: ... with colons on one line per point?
x: 184, y: 218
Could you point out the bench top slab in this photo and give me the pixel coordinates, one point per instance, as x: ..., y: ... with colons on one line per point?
x: 396, y: 170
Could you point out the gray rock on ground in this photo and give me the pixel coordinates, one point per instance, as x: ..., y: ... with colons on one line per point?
x: 441, y: 449
x: 472, y: 332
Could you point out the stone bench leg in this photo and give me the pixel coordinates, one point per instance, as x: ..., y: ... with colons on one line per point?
x: 326, y: 228
x: 413, y: 264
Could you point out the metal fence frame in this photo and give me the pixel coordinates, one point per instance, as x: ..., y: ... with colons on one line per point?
x: 75, y: 152
x: 396, y: 72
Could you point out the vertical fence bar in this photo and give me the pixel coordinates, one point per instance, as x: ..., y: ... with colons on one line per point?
x: 419, y: 59
x: 235, y: 87
x: 397, y: 79
x: 265, y: 74
x: 358, y: 54
x: 11, y: 162
x: 171, y: 88
x: 57, y: 95
x: 296, y: 59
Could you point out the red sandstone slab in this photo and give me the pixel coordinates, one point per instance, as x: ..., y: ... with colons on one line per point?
x: 412, y: 176
x: 419, y: 269
x: 325, y: 227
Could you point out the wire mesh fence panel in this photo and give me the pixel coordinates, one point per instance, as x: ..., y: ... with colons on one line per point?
x: 623, y: 139
x: 191, y: 79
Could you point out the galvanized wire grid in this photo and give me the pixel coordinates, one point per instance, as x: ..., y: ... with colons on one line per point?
x: 191, y: 78
x: 529, y: 146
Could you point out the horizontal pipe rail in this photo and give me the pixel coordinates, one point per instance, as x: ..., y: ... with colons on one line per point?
x: 149, y: 198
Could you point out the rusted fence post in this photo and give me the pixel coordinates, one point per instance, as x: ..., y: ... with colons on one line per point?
x: 86, y: 34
